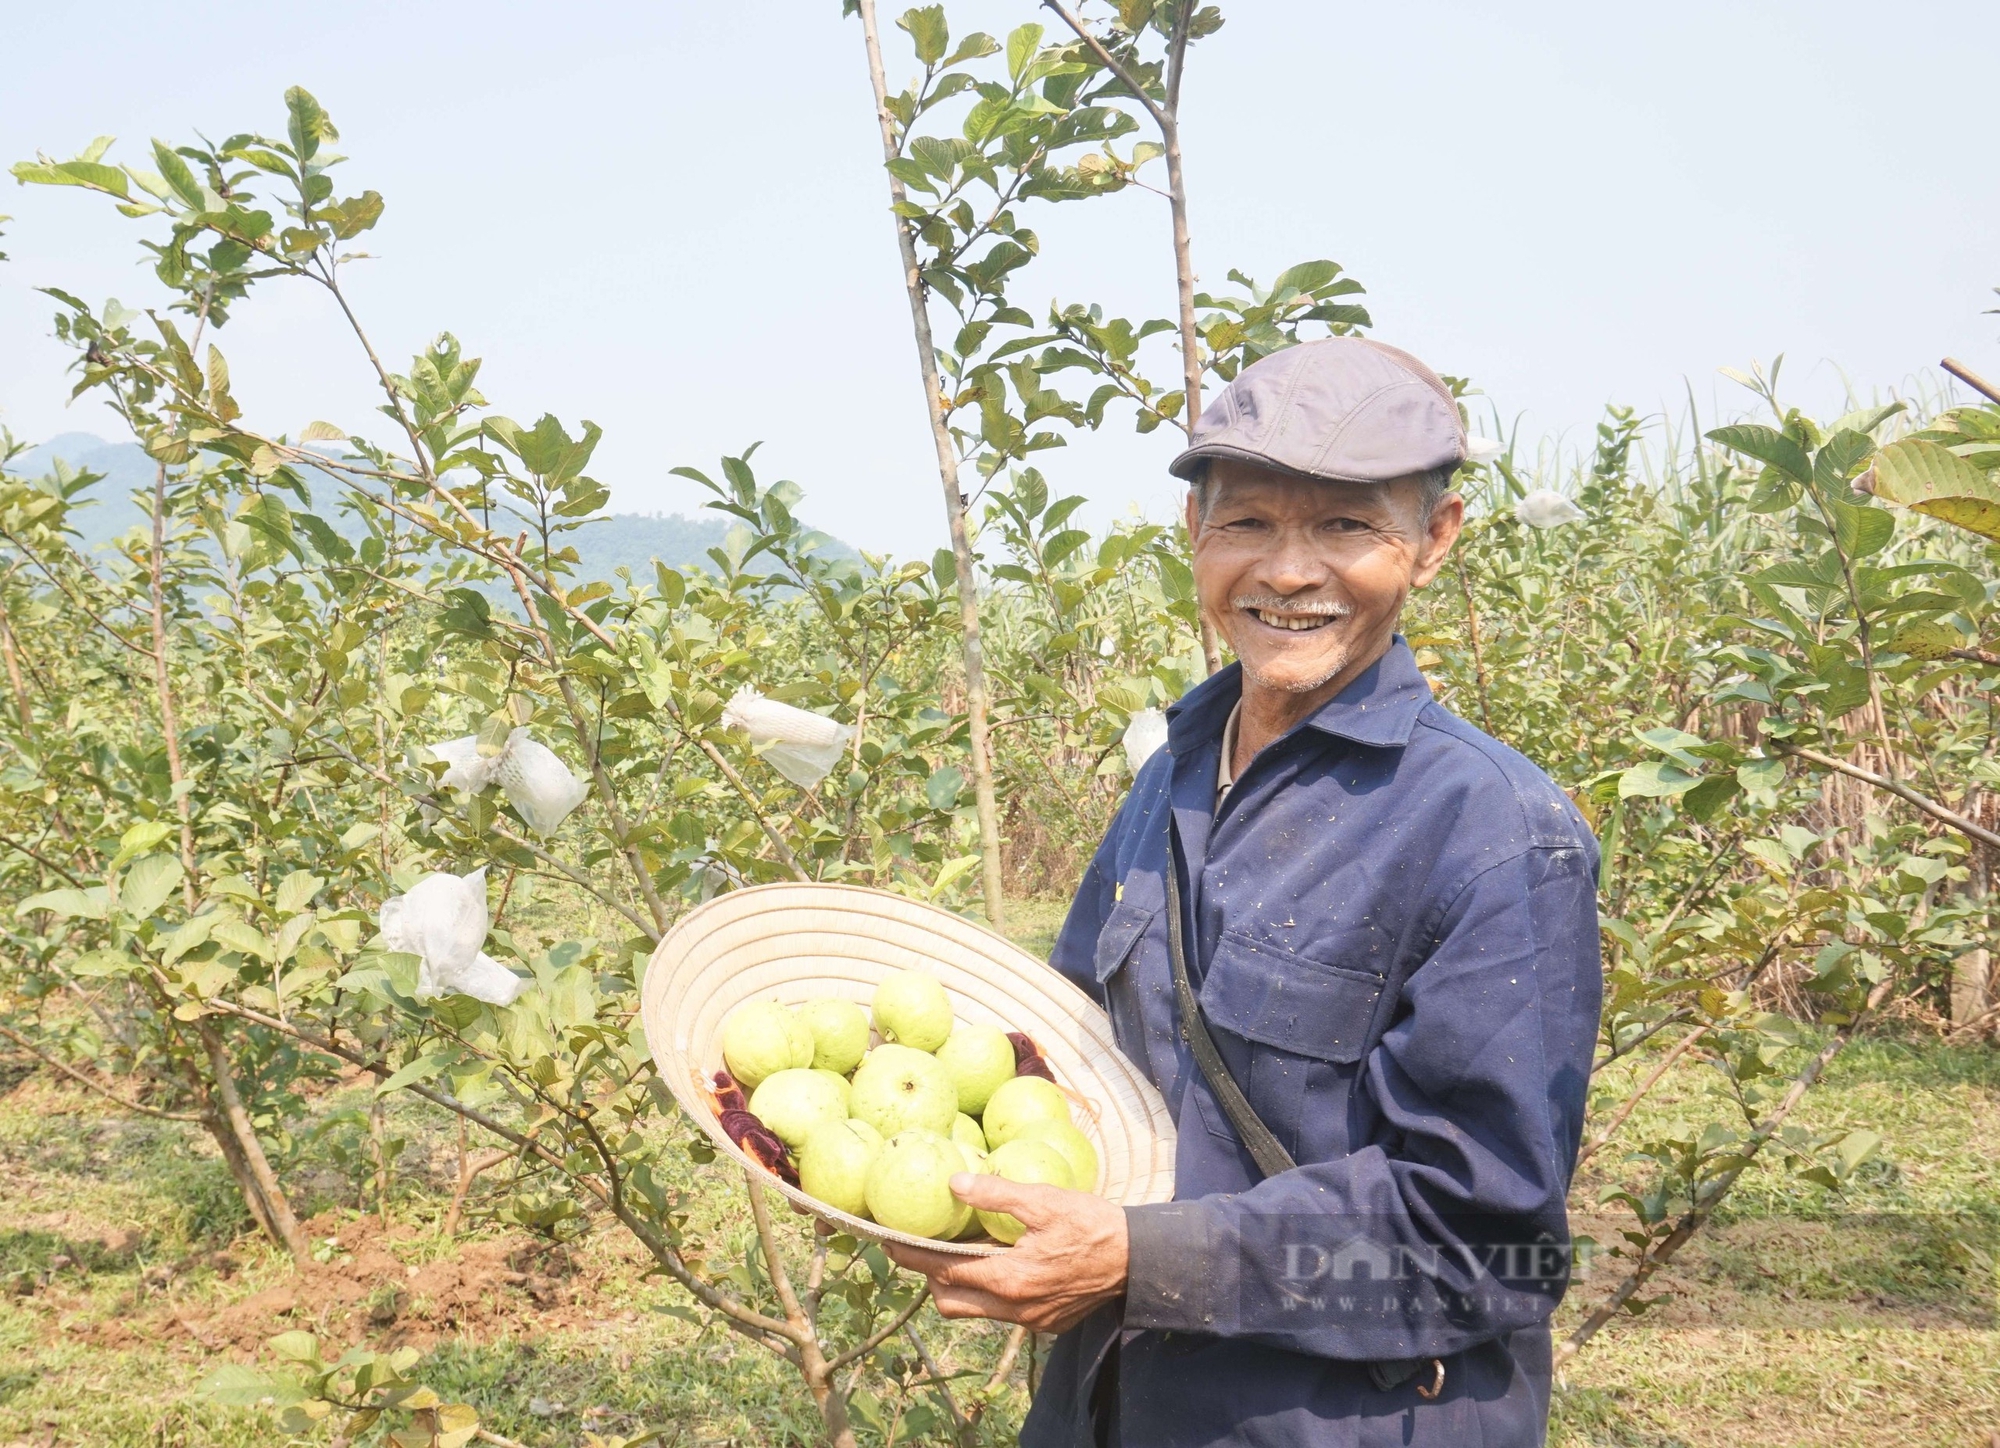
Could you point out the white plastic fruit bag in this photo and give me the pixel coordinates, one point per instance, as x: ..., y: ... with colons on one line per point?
x: 797, y: 743
x: 443, y: 920
x: 536, y: 781
x: 1546, y: 508
x: 468, y: 772
x: 538, y: 784
x: 1144, y: 736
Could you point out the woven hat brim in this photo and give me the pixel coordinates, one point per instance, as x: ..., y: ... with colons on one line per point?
x: 800, y: 942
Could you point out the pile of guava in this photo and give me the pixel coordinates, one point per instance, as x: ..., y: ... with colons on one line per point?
x: 877, y: 1121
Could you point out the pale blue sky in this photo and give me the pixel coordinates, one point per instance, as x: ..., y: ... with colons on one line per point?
x: 670, y: 218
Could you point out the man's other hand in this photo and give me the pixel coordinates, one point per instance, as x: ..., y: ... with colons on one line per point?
x: 1070, y: 1260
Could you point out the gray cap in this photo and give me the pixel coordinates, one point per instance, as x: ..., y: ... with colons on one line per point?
x: 1343, y: 409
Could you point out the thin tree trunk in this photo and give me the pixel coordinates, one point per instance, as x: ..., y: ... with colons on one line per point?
x: 283, y: 1222
x: 469, y: 1170
x: 248, y: 1163
x: 169, y: 717
x: 216, y: 1122
x: 239, y: 1171
x: 979, y: 739
x: 1972, y: 971
x: 379, y: 1144
x: 1191, y: 365
x: 14, y: 678
x: 826, y: 1395
x: 818, y: 1370
x: 1167, y: 118
x: 1478, y: 654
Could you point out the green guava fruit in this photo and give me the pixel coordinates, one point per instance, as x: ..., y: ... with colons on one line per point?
x: 909, y: 1185
x: 794, y: 1101
x: 762, y: 1038
x: 1074, y: 1146
x: 1017, y: 1102
x: 873, y: 1136
x: 975, y: 1162
x: 1033, y: 1163
x: 846, y: 1089
x: 912, y: 1010
x: 802, y: 1038
x: 897, y: 1088
x: 977, y: 1058
x: 965, y: 1131
x: 834, y: 1162
x: 840, y: 1034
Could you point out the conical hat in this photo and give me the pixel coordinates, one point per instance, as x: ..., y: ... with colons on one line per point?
x: 796, y: 943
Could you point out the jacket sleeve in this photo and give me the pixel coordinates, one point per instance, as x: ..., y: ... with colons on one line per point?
x: 1454, y: 1232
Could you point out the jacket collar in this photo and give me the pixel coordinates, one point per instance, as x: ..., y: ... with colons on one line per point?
x: 1379, y: 708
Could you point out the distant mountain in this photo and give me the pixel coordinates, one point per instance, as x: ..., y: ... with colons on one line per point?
x: 125, y: 467
x: 620, y: 540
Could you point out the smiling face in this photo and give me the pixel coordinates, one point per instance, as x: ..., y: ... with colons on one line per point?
x: 1307, y: 578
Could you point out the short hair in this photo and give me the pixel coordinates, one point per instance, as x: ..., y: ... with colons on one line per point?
x: 1431, y: 489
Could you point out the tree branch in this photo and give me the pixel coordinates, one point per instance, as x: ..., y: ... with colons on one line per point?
x: 1625, y: 1109
x: 1970, y: 378
x: 1892, y: 786
x: 1167, y: 118
x: 936, y: 1376
x: 38, y: 858
x: 875, y: 1340
x: 1161, y: 117
x: 774, y: 1262
x: 1708, y: 1199
x: 77, y: 1076
x: 1009, y: 1354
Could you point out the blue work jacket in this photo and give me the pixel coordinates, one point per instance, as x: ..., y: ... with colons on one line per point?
x: 1393, y: 930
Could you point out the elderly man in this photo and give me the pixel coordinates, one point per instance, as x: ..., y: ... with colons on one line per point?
x: 1353, y: 940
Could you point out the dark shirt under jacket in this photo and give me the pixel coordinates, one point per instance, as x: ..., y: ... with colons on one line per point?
x: 1396, y: 948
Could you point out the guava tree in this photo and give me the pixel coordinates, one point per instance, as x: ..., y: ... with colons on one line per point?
x: 311, y: 610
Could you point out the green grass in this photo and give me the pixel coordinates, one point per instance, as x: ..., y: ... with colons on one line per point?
x: 1034, y: 924
x: 113, y: 1230
x: 1807, y: 1316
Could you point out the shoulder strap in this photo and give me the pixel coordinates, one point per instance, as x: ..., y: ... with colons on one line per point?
x: 1265, y: 1149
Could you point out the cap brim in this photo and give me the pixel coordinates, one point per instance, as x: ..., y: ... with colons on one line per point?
x: 1189, y: 465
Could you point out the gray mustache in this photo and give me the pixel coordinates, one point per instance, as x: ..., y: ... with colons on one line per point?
x: 1311, y: 607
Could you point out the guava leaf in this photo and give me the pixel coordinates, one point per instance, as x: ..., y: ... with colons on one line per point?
x: 1933, y: 480
x: 1656, y: 779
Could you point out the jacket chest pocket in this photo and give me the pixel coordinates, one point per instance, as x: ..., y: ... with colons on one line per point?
x: 1122, y: 929
x: 1299, y: 1027
x: 1118, y: 943
x: 1296, y: 1004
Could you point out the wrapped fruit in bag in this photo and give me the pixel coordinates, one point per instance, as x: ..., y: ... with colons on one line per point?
x: 537, y: 783
x: 798, y: 743
x: 1546, y: 508
x: 443, y: 921
x: 1143, y: 737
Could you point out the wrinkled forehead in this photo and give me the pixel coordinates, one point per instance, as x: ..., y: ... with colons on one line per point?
x: 1233, y: 484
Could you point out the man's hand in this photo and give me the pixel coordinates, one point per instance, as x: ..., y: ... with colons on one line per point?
x: 1070, y: 1261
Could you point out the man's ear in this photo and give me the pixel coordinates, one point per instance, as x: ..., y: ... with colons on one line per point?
x: 1447, y: 520
x: 1193, y: 512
